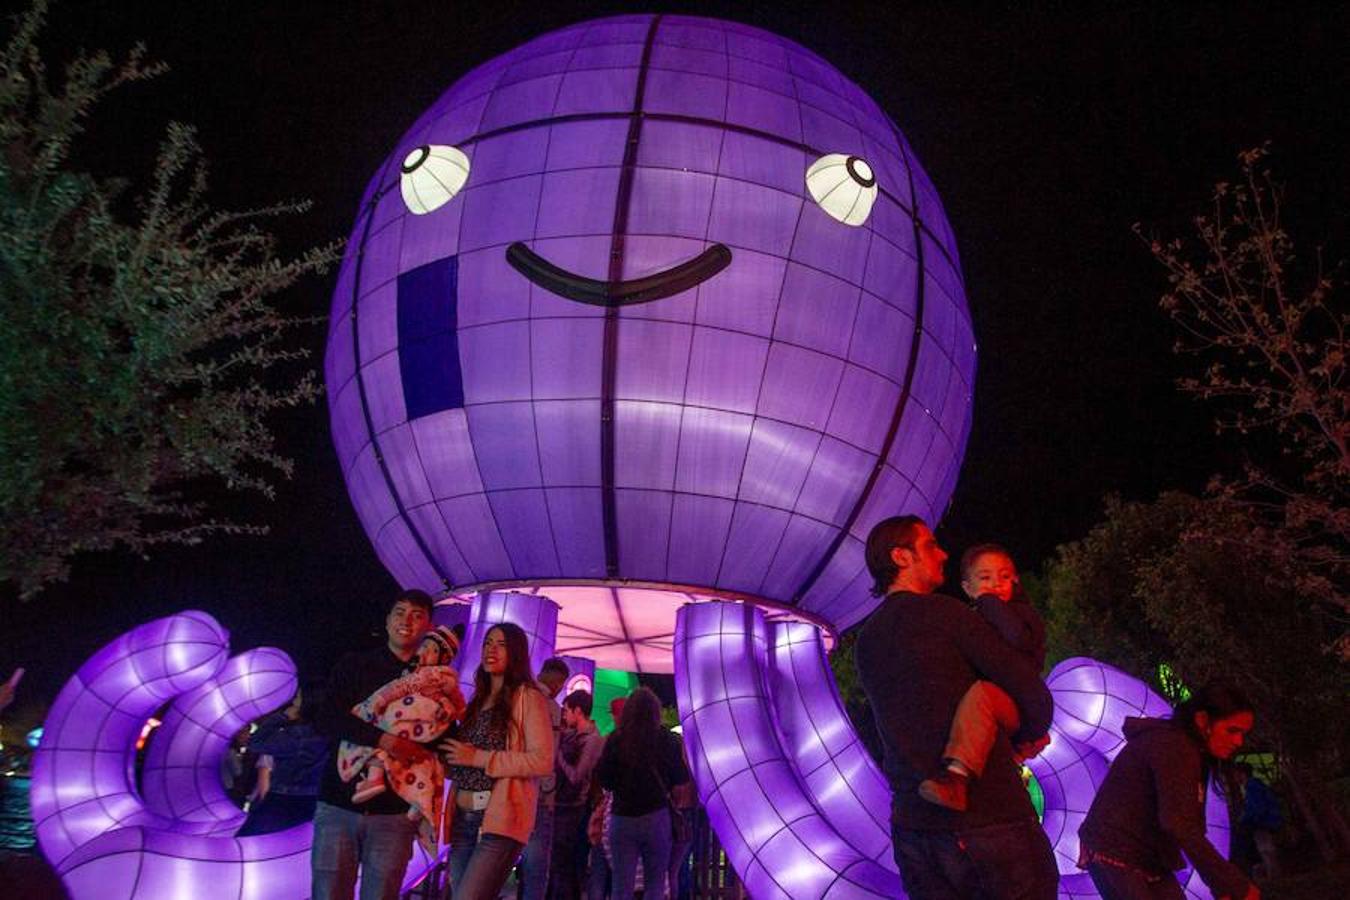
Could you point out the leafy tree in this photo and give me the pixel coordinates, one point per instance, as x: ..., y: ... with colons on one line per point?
x: 141, y: 350
x: 1271, y: 331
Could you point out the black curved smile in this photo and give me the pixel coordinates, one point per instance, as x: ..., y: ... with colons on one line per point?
x: 618, y: 293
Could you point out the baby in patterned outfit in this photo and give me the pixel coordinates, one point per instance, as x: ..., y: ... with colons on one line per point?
x: 419, y: 706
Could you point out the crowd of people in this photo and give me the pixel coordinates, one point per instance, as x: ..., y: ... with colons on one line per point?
x: 956, y: 694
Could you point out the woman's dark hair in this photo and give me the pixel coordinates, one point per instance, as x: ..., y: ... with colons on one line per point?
x: 885, y: 536
x: 517, y: 674
x: 1218, y: 700
x: 638, y: 737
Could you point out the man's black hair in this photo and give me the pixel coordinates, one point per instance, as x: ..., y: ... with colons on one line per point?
x: 581, y: 700
x: 414, y: 596
x: 554, y: 666
x: 885, y: 536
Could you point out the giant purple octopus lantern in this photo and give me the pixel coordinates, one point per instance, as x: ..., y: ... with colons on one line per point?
x: 651, y: 318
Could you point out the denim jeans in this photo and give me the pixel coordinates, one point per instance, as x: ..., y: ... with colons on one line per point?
x: 534, y: 862
x: 479, y: 863
x: 598, y: 879
x: 1115, y: 883
x: 645, y: 836
x: 380, y: 846
x: 1006, y: 861
x: 569, y: 835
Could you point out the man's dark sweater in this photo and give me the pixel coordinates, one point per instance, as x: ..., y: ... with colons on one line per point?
x: 354, y: 678
x: 916, y: 657
x: 1151, y: 807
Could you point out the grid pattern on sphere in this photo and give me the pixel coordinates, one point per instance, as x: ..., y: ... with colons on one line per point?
x: 738, y: 483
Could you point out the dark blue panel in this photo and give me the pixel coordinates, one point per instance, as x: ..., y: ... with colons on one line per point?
x: 428, y: 348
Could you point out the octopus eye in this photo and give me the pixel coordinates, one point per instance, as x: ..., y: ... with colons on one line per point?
x: 432, y: 175
x: 844, y: 186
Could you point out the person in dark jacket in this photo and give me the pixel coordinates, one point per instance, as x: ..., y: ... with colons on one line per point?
x: 1261, y: 819
x: 291, y: 761
x: 916, y: 656
x: 641, y: 762
x: 375, y: 837
x: 1151, y: 807
x: 989, y: 578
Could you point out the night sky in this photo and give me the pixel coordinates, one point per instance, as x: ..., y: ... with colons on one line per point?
x: 1048, y: 135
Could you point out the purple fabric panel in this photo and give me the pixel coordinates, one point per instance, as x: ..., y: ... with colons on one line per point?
x: 646, y: 440
x: 446, y: 452
x: 581, y: 145
x: 377, y: 322
x: 569, y: 441
x: 682, y: 94
x: 431, y: 525
x: 644, y: 532
x: 750, y: 547
x: 777, y: 462
x: 749, y: 215
x: 824, y: 244
x: 579, y: 201
x: 678, y: 146
x: 797, y: 555
x: 695, y: 33
x: 616, y: 55
x: 744, y: 296
x: 499, y: 212
x: 748, y: 158
x: 724, y: 369
x: 799, y: 386
x: 475, y: 533
x: 506, y: 156
x: 712, y: 448
x: 536, y: 614
x: 379, y: 261
x: 369, y: 492
x: 892, y: 270
x: 384, y: 392
x: 668, y: 202
x: 400, y: 554
x: 817, y: 311
x: 495, y: 361
x: 523, y: 519
x: 687, y: 59
x: 505, y: 446
x: 523, y: 101
x: 539, y: 65
x: 698, y: 531
x: 597, y: 91
x: 578, y: 530
x: 764, y: 110
x: 348, y: 424
x: 405, y: 467
x: 913, y: 439
x: 489, y: 289
x: 836, y: 479
x: 880, y: 332
x: 653, y: 360
x: 866, y: 416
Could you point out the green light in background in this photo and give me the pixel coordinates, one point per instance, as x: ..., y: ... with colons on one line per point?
x: 610, y: 683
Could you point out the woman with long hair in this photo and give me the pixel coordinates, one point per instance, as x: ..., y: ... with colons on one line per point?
x: 503, y: 745
x: 641, y: 762
x: 1151, y: 807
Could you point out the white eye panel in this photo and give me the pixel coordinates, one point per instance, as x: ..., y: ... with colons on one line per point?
x: 845, y: 187
x: 432, y: 175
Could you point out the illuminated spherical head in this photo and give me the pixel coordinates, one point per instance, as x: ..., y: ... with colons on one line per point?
x: 645, y: 309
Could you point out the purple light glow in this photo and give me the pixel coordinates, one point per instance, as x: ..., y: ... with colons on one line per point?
x: 715, y: 442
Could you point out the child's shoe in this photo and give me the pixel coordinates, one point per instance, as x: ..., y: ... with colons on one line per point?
x: 947, y: 788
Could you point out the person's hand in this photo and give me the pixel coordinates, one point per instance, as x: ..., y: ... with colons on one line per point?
x: 1031, y: 749
x: 1253, y: 893
x: 407, y: 751
x: 458, y: 753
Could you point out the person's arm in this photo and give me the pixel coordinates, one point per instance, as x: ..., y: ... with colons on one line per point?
x: 536, y: 760
x: 264, y: 783
x: 608, y: 768
x: 591, y: 749
x: 1177, y: 782
x: 1006, y: 622
x: 334, y: 718
x: 677, y: 773
x: 992, y: 658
